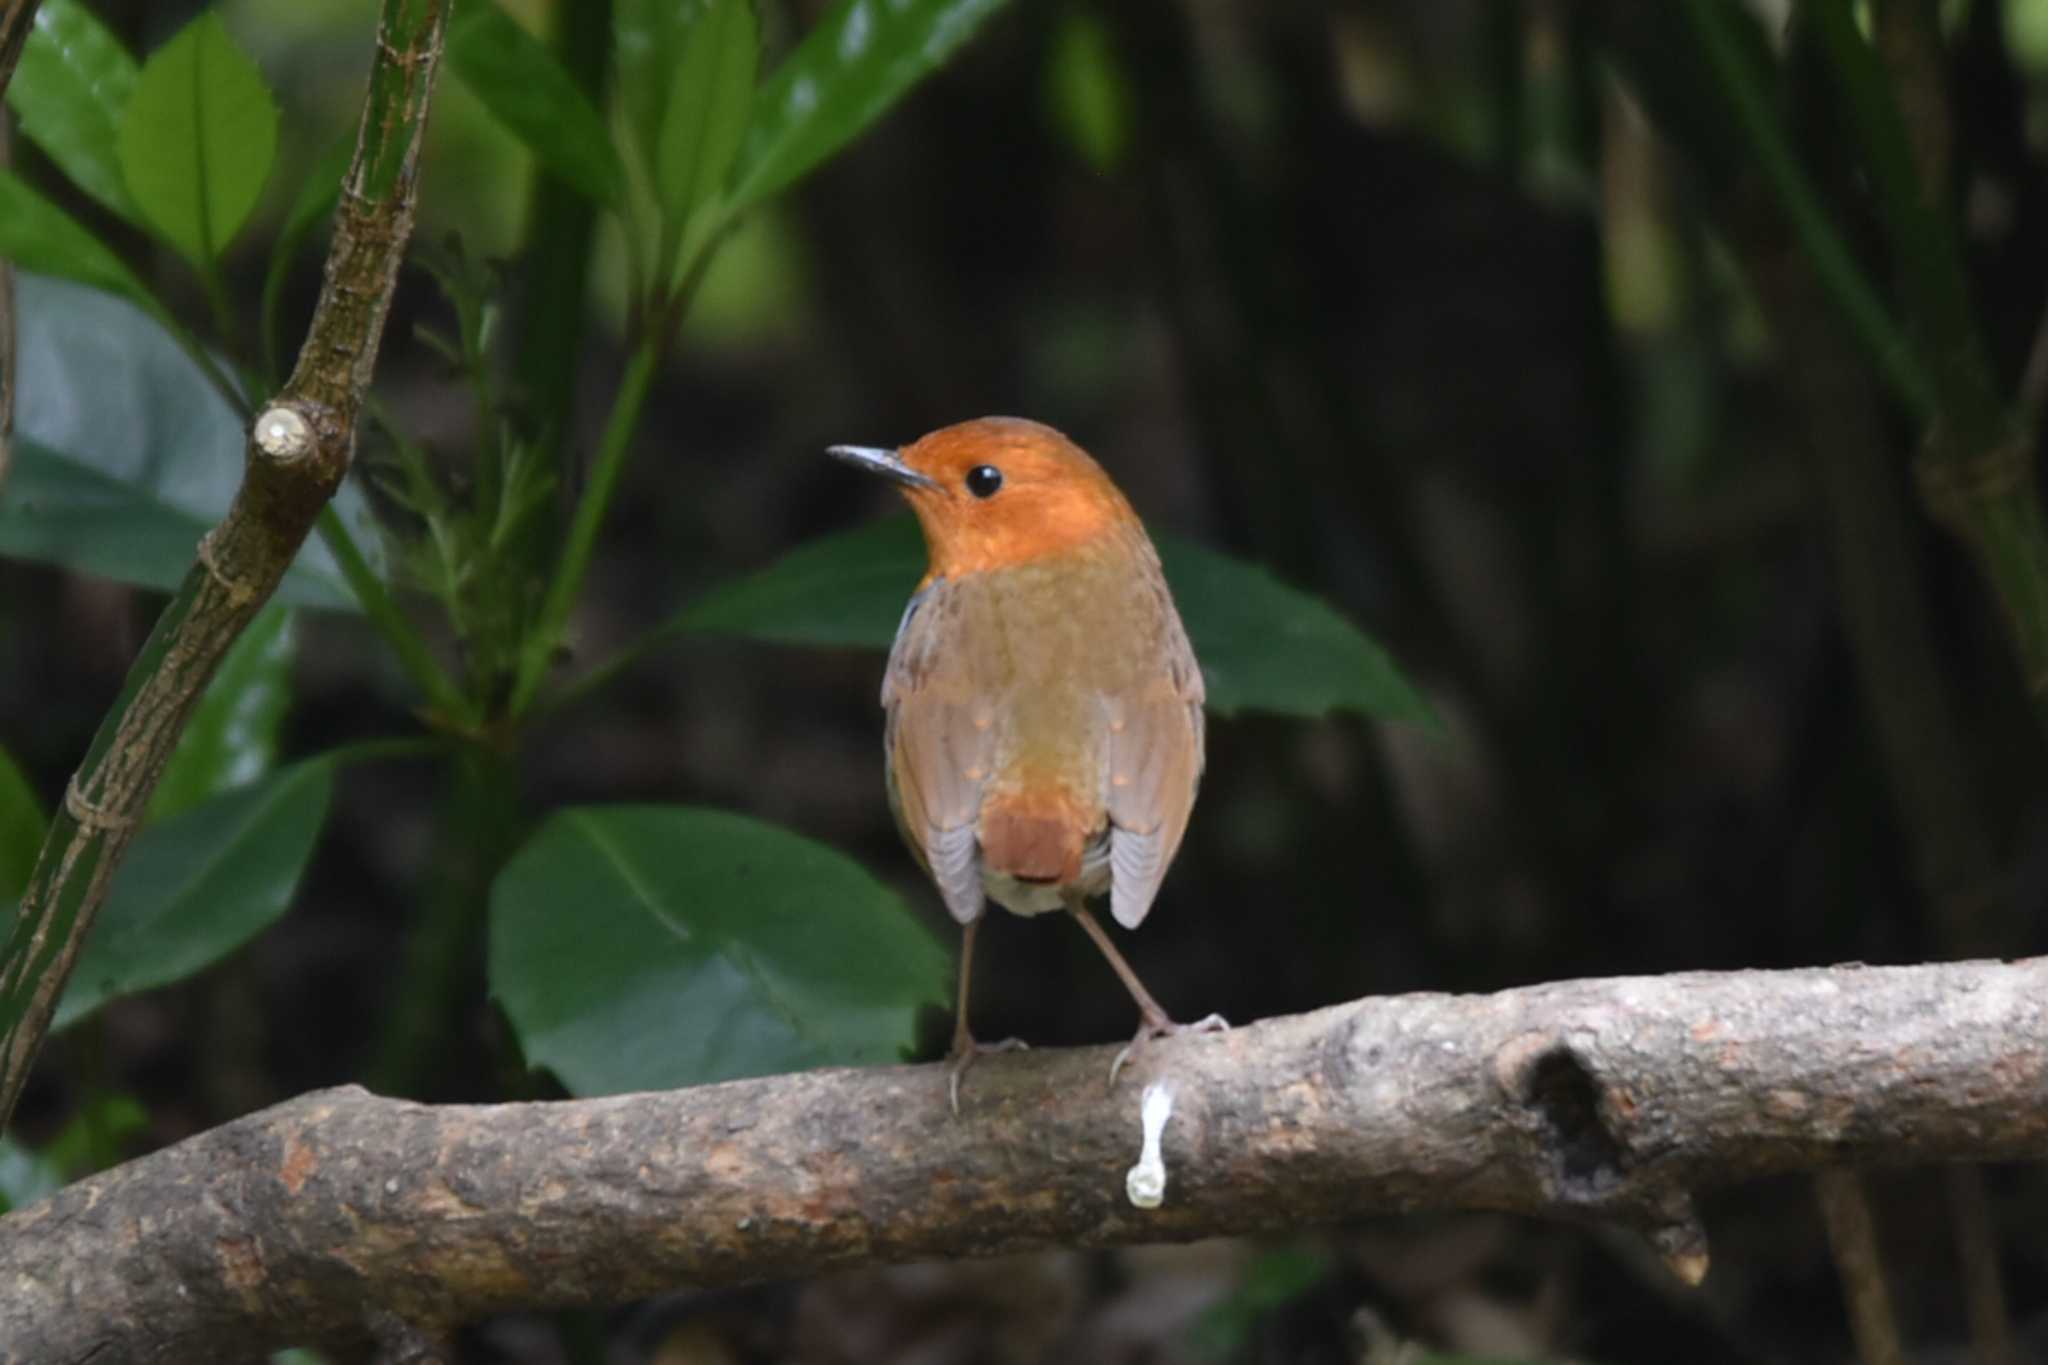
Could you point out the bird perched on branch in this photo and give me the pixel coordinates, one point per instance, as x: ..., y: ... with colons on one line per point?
x: 1044, y: 706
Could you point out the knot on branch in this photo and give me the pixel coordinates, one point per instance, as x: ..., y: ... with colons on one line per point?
x: 1584, y: 1157
x: 240, y: 591
x: 283, y: 434
x: 89, y: 813
x: 1565, y: 1106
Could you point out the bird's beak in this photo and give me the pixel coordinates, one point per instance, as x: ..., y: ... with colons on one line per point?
x: 887, y: 463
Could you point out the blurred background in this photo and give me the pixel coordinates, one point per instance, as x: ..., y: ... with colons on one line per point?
x: 1405, y: 299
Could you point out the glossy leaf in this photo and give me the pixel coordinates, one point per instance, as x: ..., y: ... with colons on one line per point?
x: 125, y: 455
x: 859, y: 59
x: 197, y: 139
x: 709, y: 95
x: 231, y: 738
x: 526, y: 89
x: 22, y: 824
x: 844, y: 589
x: 194, y: 888
x: 73, y: 83
x: 1263, y: 645
x: 647, y: 947
x: 37, y: 235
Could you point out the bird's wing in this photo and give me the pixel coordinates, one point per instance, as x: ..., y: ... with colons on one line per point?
x: 1155, y: 760
x: 941, y: 743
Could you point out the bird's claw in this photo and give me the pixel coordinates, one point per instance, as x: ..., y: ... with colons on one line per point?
x: 1163, y: 1027
x: 963, y: 1057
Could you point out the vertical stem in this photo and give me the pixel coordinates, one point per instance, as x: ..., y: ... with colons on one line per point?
x: 414, y: 655
x: 590, y: 511
x: 478, y: 827
x: 1983, y: 1284
x: 290, y: 474
x: 561, y: 226
x: 1852, y: 1235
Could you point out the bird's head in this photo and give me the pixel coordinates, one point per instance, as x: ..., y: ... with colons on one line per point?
x: 999, y: 491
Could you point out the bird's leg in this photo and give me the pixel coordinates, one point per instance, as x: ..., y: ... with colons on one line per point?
x: 965, y: 1049
x: 1153, y: 1021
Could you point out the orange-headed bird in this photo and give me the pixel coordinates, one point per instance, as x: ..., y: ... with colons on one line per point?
x: 1044, y: 706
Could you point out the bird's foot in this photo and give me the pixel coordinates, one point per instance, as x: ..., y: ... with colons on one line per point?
x: 965, y: 1050
x: 1163, y: 1027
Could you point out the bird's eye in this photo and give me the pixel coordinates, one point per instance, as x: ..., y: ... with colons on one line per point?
x: 983, y: 480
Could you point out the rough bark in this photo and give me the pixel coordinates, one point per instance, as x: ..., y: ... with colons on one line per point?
x: 1595, y: 1100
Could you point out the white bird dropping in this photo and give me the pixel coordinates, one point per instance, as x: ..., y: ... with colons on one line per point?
x: 1145, y: 1182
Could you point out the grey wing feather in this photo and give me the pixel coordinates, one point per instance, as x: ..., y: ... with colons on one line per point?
x: 1155, y: 760
x: 938, y: 754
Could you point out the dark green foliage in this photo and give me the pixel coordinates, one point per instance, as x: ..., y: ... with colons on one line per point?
x: 200, y: 884
x: 519, y: 80
x: 646, y: 947
x: 1263, y: 645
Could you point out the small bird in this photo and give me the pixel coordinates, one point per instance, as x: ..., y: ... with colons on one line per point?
x: 1044, y: 734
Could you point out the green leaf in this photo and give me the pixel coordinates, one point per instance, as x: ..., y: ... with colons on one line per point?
x: 860, y: 59
x: 37, y: 235
x: 648, y: 947
x: 125, y: 455
x: 1263, y: 645
x: 706, y: 114
x: 197, y: 139
x: 231, y: 738
x: 74, y: 80
x: 198, y: 886
x: 844, y: 589
x: 22, y: 826
x: 526, y: 89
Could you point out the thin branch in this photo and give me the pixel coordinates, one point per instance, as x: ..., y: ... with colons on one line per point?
x: 1976, y: 1238
x: 299, y: 449
x: 1852, y: 1237
x: 1597, y: 1101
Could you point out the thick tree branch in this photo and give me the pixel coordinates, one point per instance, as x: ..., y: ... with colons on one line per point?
x: 1592, y: 1100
